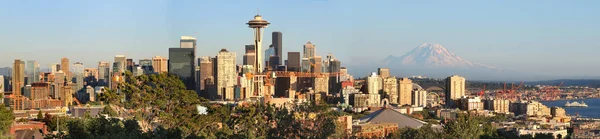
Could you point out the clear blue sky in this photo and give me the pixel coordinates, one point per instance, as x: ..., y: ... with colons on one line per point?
x: 549, y: 36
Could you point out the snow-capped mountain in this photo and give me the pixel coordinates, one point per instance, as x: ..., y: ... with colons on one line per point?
x: 432, y: 55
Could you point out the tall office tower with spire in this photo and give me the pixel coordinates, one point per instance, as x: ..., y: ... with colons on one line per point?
x: 64, y: 66
x: 78, y: 70
x: 293, y: 62
x: 18, y: 76
x: 277, y: 43
x: 405, y: 88
x: 103, y: 73
x: 308, y: 61
x: 33, y: 72
x: 455, y: 89
x: 159, y: 64
x: 119, y: 64
x: 226, y: 75
x: 182, y: 64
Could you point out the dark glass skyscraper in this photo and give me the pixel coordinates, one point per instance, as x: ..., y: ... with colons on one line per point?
x: 277, y: 44
x: 293, y: 62
x: 181, y: 63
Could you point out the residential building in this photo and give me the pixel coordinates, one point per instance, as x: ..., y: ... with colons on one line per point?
x: 159, y: 64
x: 390, y: 89
x: 470, y: 103
x: 374, y: 130
x: 455, y: 89
x: 346, y: 92
x: 226, y: 75
x: 383, y: 72
x: 497, y: 105
x: 405, y: 88
x: 321, y: 85
x: 374, y: 86
x: 419, y: 98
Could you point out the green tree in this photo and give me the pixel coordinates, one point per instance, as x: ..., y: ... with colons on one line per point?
x: 6, y: 120
x: 40, y: 116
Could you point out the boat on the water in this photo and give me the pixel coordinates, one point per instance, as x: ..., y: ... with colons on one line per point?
x: 576, y: 104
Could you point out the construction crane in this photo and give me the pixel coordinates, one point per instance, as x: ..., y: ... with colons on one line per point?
x: 482, y: 92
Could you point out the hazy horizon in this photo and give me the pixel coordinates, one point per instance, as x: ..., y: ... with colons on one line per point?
x: 555, y: 38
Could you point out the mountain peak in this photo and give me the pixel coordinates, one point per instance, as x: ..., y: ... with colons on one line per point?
x: 432, y: 55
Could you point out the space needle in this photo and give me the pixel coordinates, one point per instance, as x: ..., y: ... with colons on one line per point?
x: 257, y: 24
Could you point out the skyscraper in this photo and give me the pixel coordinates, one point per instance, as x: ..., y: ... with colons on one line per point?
x: 130, y: 65
x: 33, y: 72
x: 64, y: 66
x: 103, y: 73
x: 54, y: 68
x: 146, y: 65
x: 309, y: 50
x: 305, y: 65
x: 269, y: 53
x: 78, y: 70
x: 90, y: 76
x: 249, y: 56
x: 159, y: 64
x: 120, y: 61
x: 187, y: 42
x: 18, y: 76
x: 277, y: 43
x: 226, y: 75
x: 455, y: 89
x: 405, y: 88
x: 206, y: 73
x: 181, y: 63
x: 293, y: 62
x: 316, y: 64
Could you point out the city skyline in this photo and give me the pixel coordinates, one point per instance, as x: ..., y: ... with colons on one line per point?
x: 523, y: 36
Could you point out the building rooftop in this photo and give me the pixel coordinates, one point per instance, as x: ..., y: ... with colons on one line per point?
x: 386, y: 115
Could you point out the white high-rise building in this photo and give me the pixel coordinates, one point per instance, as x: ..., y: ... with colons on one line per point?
x: 187, y: 42
x: 226, y: 75
x: 374, y: 86
x: 419, y: 98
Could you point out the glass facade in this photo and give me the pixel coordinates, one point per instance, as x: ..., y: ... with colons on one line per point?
x: 181, y: 63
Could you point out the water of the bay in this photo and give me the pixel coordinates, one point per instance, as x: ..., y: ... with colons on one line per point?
x: 592, y: 111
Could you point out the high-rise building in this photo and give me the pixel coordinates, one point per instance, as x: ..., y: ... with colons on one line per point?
x: 455, y: 89
x: 78, y: 72
x: 293, y: 62
x: 121, y: 62
x: 258, y: 24
x: 405, y: 88
x: 305, y: 65
x: 309, y: 50
x: 270, y: 53
x: 277, y: 43
x: 206, y: 73
x: 321, y: 85
x: 18, y: 76
x: 374, y: 87
x: 54, y: 68
x: 384, y: 72
x: 159, y: 64
x: 181, y: 63
x: 316, y: 64
x: 90, y: 76
x: 130, y: 65
x: 146, y: 65
x: 390, y: 89
x: 419, y: 97
x: 226, y: 75
x: 33, y: 72
x: 103, y: 73
x: 64, y: 66
x: 187, y: 42
x: 249, y: 56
